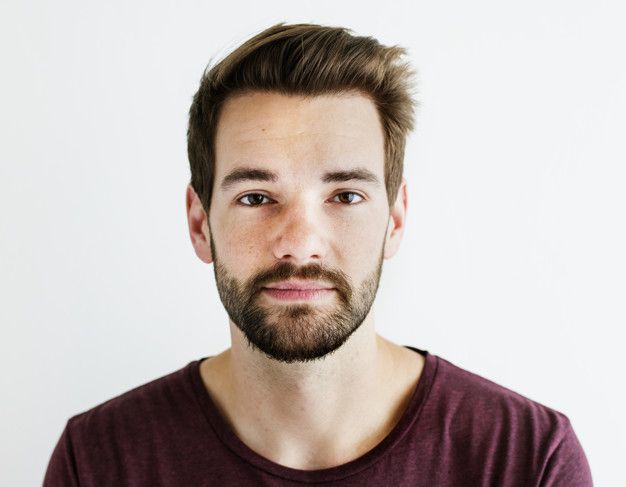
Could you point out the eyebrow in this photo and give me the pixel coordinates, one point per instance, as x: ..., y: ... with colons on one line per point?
x: 253, y: 174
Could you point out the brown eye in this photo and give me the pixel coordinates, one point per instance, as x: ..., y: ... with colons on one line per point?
x: 348, y: 197
x: 253, y: 199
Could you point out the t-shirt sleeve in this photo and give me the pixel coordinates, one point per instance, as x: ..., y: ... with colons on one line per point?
x: 61, y: 469
x: 567, y: 466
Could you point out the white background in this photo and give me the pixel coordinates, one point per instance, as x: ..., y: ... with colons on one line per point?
x: 512, y: 264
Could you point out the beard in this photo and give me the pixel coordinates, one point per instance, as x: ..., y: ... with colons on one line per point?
x: 296, y: 332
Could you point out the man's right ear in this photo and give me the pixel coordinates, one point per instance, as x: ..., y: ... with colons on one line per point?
x: 197, y: 220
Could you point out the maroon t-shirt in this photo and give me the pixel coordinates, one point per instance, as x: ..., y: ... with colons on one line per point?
x: 459, y: 429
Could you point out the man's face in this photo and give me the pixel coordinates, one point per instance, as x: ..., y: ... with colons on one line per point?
x: 299, y: 200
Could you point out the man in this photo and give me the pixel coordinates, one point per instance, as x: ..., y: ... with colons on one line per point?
x: 296, y: 144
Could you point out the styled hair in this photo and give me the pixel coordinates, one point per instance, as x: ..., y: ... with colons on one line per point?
x: 309, y: 60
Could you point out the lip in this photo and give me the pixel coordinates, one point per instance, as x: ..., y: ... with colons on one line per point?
x: 300, y: 286
x: 288, y: 294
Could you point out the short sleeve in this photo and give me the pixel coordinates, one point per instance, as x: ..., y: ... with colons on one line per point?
x: 61, y: 469
x: 568, y: 465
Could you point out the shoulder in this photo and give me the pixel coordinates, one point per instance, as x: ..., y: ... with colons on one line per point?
x: 490, y: 424
x: 133, y: 413
x: 475, y: 395
x: 486, y: 419
x: 122, y: 440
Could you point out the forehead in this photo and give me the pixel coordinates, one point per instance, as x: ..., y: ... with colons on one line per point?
x: 308, y: 131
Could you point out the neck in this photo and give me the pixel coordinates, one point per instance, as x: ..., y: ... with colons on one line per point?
x: 311, y: 414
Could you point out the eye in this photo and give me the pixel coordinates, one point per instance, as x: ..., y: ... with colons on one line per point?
x: 348, y: 197
x: 254, y: 199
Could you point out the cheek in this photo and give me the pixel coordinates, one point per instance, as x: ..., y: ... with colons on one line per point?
x: 368, y: 229
x: 239, y: 246
x: 359, y: 242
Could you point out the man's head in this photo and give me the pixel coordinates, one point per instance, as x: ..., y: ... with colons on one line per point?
x: 296, y: 143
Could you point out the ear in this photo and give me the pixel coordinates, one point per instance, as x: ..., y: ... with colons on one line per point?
x: 397, y: 219
x: 197, y: 220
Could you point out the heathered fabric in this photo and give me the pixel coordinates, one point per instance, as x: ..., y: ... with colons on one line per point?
x: 458, y: 430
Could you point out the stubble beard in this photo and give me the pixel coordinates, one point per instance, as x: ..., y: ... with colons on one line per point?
x: 296, y: 332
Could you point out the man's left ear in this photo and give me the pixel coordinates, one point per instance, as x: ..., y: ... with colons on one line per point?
x: 397, y: 218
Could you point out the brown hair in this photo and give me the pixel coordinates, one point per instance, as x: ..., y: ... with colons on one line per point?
x: 305, y: 59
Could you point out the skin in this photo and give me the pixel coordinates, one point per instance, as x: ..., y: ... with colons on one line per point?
x: 329, y: 409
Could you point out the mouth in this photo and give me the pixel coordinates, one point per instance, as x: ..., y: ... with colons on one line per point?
x: 309, y: 294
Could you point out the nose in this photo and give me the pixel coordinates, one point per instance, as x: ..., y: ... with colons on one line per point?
x: 299, y: 234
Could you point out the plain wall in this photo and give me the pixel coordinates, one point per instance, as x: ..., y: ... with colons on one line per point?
x: 512, y: 264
